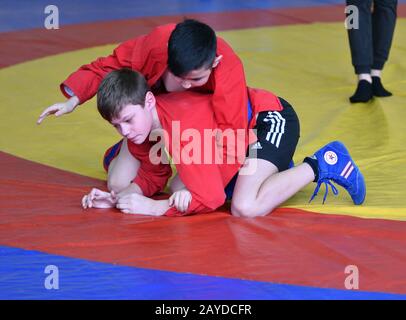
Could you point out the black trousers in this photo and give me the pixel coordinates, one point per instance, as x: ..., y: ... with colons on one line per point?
x: 370, y: 44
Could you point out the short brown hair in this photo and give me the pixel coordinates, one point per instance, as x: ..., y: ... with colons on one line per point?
x: 118, y: 89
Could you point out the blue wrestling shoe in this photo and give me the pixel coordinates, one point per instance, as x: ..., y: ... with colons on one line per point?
x: 336, y: 164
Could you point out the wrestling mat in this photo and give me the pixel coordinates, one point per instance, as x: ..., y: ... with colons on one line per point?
x: 297, y: 49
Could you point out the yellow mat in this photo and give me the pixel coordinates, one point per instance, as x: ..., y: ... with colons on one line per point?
x: 309, y: 65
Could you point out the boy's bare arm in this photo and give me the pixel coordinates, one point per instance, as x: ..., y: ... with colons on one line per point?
x: 59, y: 108
x: 138, y: 204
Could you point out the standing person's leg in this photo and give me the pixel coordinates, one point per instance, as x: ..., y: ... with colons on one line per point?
x: 362, y: 50
x: 383, y: 23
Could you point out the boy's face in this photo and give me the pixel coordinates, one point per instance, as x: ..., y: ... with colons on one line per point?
x: 134, y: 122
x: 195, y: 78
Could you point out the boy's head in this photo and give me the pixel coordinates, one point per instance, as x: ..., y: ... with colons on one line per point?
x: 192, y: 53
x: 124, y: 99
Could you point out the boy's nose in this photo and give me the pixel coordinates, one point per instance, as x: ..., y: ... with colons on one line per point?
x: 125, y: 130
x: 186, y: 84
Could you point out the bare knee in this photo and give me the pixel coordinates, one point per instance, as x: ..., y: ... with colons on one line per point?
x: 243, y: 209
x: 247, y: 209
x: 117, y: 185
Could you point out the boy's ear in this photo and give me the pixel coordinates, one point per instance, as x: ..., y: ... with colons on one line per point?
x: 217, y: 61
x: 150, y: 100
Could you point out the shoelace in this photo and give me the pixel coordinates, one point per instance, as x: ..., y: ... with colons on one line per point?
x: 327, y: 182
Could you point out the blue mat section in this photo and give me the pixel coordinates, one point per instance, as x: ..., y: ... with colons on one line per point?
x: 29, y: 14
x: 22, y: 276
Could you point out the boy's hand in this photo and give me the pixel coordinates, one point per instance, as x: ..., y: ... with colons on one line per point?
x: 181, y: 200
x: 138, y: 204
x: 59, y: 109
x: 99, y: 199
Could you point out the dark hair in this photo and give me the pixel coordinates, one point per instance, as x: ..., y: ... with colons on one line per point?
x: 119, y: 88
x: 192, y: 45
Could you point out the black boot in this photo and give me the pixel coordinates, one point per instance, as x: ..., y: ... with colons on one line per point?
x: 377, y: 88
x: 363, y: 92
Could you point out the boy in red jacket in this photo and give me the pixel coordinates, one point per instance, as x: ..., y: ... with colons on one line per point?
x: 172, y: 58
x: 125, y: 101
x: 190, y: 57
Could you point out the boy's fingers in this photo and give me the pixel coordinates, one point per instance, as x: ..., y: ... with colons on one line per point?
x: 185, y: 204
x: 59, y: 113
x: 48, y: 111
x: 179, y: 203
x: 171, y: 200
x: 42, y: 117
x: 122, y: 206
x: 176, y: 201
x: 84, y: 202
x: 100, y: 194
x: 39, y: 120
x: 44, y: 113
x: 89, y: 201
x: 121, y: 201
x: 93, y: 193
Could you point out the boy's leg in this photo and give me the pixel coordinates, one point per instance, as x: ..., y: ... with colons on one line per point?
x: 122, y: 169
x: 260, y: 193
x: 331, y: 163
x: 271, y: 183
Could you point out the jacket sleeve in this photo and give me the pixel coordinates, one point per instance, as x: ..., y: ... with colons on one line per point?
x: 230, y: 95
x: 86, y: 80
x: 151, y: 177
x: 206, y: 186
x: 146, y: 54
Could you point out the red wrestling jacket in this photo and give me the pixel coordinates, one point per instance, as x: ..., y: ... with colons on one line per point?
x: 195, y: 162
x: 148, y: 55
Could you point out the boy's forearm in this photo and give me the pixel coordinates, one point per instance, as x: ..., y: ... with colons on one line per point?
x: 159, y: 207
x: 138, y: 204
x: 74, y: 101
